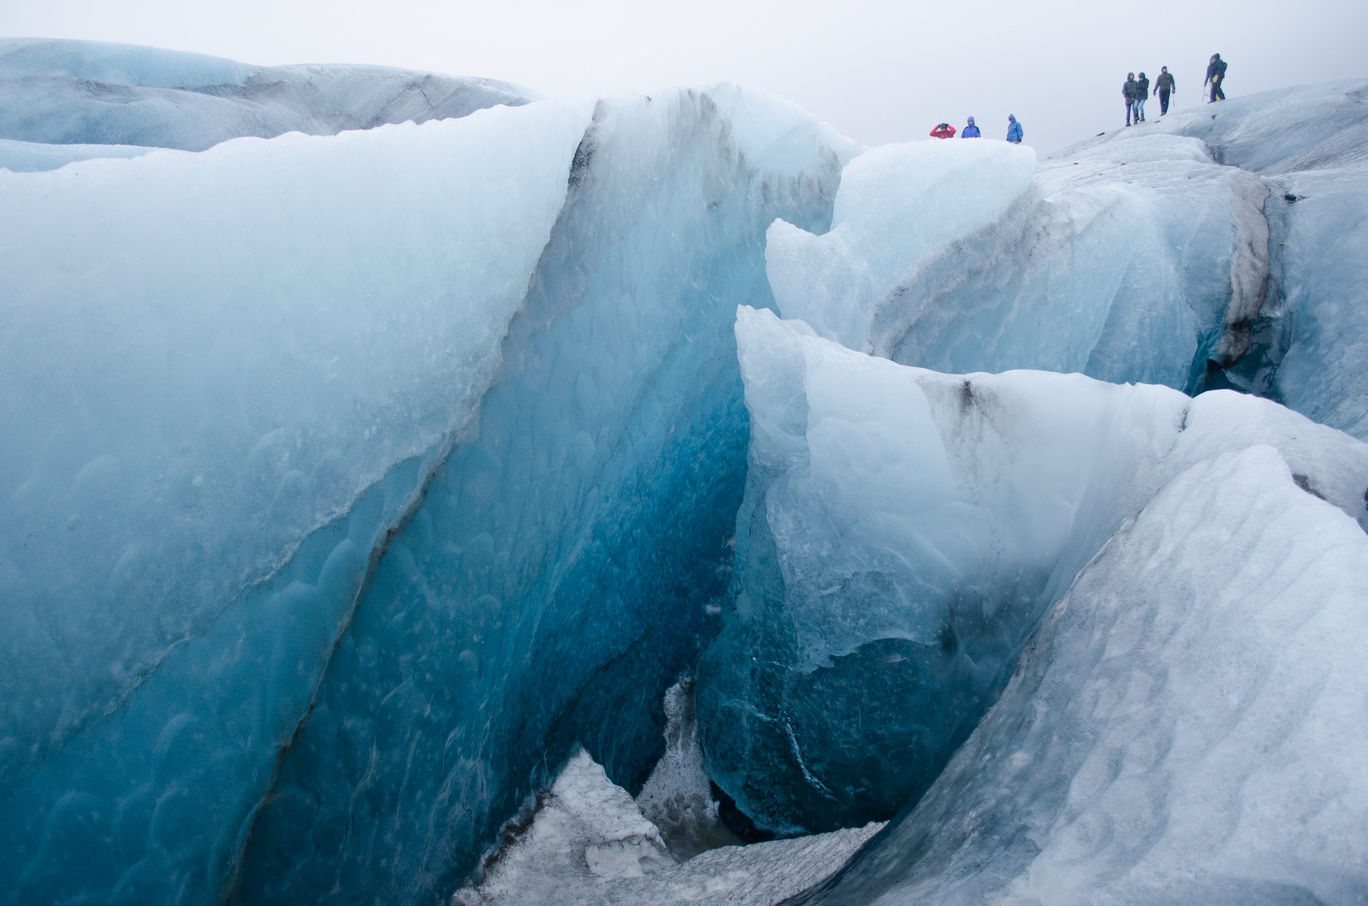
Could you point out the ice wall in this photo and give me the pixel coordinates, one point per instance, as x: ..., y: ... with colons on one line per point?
x: 90, y: 93
x: 1306, y: 344
x: 1174, y: 254
x: 558, y: 575
x: 283, y: 617
x: 902, y: 533
x: 963, y: 256
x: 1181, y: 729
x: 233, y: 371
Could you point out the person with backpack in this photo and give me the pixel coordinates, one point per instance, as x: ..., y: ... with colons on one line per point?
x: 1163, y: 86
x: 943, y: 130
x: 1141, y: 95
x: 1013, y: 130
x: 970, y: 130
x: 1216, y: 71
x: 1128, y: 91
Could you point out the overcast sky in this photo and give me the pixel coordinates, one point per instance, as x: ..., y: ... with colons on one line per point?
x: 878, y: 71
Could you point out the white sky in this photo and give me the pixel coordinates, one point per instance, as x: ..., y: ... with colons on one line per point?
x: 878, y: 71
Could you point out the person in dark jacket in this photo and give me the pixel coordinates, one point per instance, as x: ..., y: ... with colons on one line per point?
x: 1141, y: 95
x: 1163, y: 86
x: 970, y: 130
x: 1128, y: 91
x: 1013, y: 130
x: 943, y: 130
x: 1216, y: 70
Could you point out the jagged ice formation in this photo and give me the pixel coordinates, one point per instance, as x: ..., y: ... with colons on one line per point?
x: 361, y: 477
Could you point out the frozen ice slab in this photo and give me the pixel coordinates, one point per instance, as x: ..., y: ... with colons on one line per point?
x: 588, y: 845
x: 271, y: 589
x: 86, y: 92
x: 966, y: 256
x: 26, y: 157
x: 1174, y: 253
x: 1180, y: 730
x: 1304, y: 345
x: 230, y: 374
x: 902, y: 533
x: 559, y: 573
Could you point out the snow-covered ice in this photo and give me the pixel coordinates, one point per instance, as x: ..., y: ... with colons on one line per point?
x: 97, y: 95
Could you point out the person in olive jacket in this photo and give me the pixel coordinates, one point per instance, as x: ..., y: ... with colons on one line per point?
x: 1163, y: 86
x: 1141, y: 95
x: 1129, y: 91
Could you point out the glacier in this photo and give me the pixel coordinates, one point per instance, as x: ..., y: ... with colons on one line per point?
x: 81, y: 95
x: 1143, y: 523
x: 385, y: 445
x: 268, y: 386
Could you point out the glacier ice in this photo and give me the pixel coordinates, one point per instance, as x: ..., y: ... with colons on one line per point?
x: 1180, y: 268
x: 555, y: 579
x: 1201, y: 251
x: 336, y: 442
x: 584, y: 841
x: 1182, y: 728
x: 985, y: 261
x: 362, y: 479
x: 235, y: 369
x: 901, y: 534
x: 93, y: 94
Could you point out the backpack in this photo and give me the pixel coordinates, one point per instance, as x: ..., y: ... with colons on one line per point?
x: 1220, y: 69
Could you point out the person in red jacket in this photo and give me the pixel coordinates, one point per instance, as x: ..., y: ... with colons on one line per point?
x: 944, y: 130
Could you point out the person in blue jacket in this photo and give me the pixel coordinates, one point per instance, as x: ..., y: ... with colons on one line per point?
x: 1013, y: 130
x: 970, y: 130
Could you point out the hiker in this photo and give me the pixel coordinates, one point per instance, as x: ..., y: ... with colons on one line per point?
x: 944, y: 130
x: 970, y: 130
x: 1163, y: 86
x: 1128, y: 91
x: 1013, y: 130
x: 1141, y: 95
x: 1216, y: 75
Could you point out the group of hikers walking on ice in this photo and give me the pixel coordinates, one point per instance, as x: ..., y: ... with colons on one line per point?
x: 945, y: 130
x: 1137, y: 91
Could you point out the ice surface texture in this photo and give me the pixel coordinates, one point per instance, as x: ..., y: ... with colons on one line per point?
x: 882, y: 590
x: 358, y: 478
x: 587, y: 844
x: 1195, y: 252
x: 901, y: 535
x: 81, y: 92
x: 968, y: 256
x: 555, y: 580
x: 1182, y: 729
x: 234, y: 371
x: 252, y: 489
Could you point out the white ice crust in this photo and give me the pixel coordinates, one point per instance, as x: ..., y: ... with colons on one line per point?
x: 1180, y: 728
x: 589, y: 845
